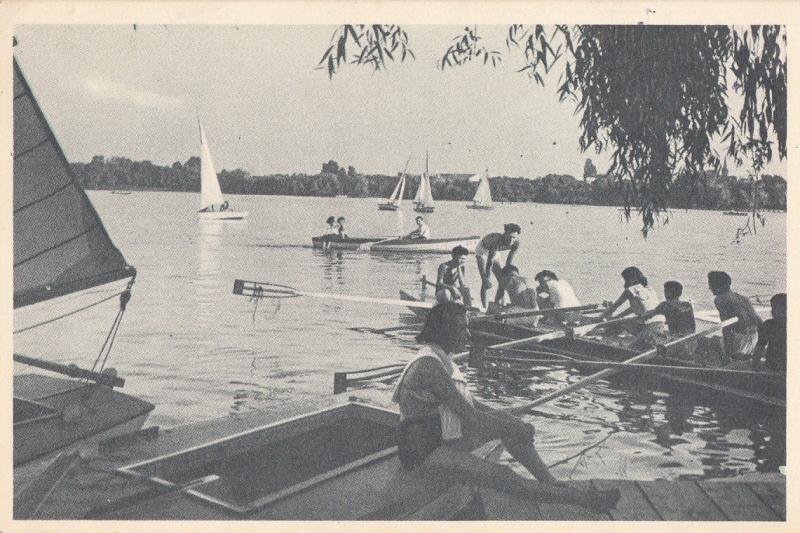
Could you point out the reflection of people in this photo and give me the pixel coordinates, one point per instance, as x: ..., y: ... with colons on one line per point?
x: 486, y: 252
x: 772, y: 337
x: 641, y: 298
x: 450, y: 282
x: 422, y: 231
x: 440, y: 423
x: 739, y: 339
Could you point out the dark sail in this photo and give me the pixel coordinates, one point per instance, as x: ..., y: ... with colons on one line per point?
x: 60, y: 244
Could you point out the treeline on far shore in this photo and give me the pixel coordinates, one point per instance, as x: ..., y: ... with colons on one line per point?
x: 712, y: 191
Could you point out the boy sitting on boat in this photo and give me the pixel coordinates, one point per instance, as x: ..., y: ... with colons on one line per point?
x: 772, y: 338
x: 641, y: 299
x: 450, y: 279
x: 740, y: 339
x: 519, y: 290
x: 553, y: 293
x: 422, y: 231
x: 679, y: 316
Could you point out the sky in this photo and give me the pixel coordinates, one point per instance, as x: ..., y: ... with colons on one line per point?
x: 266, y: 108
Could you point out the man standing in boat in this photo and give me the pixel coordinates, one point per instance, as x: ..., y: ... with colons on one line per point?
x: 486, y: 255
x: 741, y: 338
x: 450, y: 279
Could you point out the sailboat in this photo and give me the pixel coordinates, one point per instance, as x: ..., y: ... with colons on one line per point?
x: 483, y: 196
x: 397, y: 194
x: 61, y: 249
x: 212, y: 205
x: 423, y: 200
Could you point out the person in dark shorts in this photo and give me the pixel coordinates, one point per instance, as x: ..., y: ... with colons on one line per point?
x: 440, y: 423
x: 450, y: 278
x: 679, y: 316
x: 771, y: 344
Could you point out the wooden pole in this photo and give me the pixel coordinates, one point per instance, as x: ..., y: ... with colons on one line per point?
x: 610, y: 371
x: 537, y: 312
x: 72, y: 371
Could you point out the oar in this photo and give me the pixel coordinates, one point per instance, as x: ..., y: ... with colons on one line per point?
x: 610, y: 371
x: 537, y: 312
x: 258, y: 289
x: 366, y: 329
x: 367, y: 246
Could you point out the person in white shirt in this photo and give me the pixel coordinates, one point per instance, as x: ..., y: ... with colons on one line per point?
x: 422, y: 231
x: 554, y: 293
x: 641, y: 299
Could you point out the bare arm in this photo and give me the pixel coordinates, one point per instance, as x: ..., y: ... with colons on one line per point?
x: 511, y: 253
x: 622, y: 299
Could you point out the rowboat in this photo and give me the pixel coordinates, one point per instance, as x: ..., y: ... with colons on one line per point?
x: 323, y: 459
x: 751, y: 389
x: 399, y: 245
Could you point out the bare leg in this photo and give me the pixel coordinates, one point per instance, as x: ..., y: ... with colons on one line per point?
x: 497, y: 271
x: 459, y: 466
x: 482, y: 271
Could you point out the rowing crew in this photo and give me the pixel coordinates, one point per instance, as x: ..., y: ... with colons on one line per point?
x: 747, y: 342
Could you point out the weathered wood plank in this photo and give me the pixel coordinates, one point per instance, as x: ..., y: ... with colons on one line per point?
x: 772, y: 494
x: 633, y: 504
x: 501, y: 506
x: 680, y: 500
x: 28, y: 502
x: 560, y: 511
x: 737, y: 501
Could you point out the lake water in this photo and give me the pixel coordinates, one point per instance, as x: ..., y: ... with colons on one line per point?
x: 190, y: 346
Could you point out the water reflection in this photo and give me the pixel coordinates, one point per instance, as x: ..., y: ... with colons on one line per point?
x: 208, y: 282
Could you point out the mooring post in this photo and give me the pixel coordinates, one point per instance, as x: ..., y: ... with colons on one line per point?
x: 339, y: 382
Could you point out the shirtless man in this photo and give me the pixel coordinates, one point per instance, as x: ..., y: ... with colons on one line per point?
x: 486, y: 256
x: 450, y: 282
x: 520, y: 292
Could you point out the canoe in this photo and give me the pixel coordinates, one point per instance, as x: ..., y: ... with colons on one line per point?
x: 759, y: 390
x: 400, y: 245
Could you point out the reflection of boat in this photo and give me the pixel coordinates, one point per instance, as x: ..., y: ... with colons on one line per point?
x: 399, y: 245
x: 60, y: 249
x: 756, y: 390
x: 483, y: 195
x: 397, y: 194
x: 212, y: 205
x: 423, y: 201
x: 736, y: 213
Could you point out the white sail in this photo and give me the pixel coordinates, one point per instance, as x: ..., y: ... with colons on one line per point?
x: 483, y: 195
x: 426, y: 198
x: 418, y: 195
x: 402, y: 190
x: 393, y: 196
x: 210, y: 193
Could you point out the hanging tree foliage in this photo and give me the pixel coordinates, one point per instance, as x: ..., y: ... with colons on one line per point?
x: 658, y: 98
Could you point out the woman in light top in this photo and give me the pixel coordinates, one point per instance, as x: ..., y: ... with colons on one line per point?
x: 440, y: 423
x: 641, y: 299
x: 331, y: 231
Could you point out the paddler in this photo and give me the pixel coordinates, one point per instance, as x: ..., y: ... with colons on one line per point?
x: 553, y: 293
x: 641, y: 299
x: 519, y: 290
x: 451, y: 279
x: 680, y: 319
x: 441, y: 423
x: 486, y: 255
x: 739, y: 339
x: 422, y: 231
x: 772, y: 338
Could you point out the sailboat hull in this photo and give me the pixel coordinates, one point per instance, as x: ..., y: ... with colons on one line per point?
x: 424, y: 209
x: 222, y: 215
x: 480, y: 206
x: 388, y: 207
x: 52, y: 413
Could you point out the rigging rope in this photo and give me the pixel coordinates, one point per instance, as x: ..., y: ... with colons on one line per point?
x: 105, y: 350
x: 75, y: 311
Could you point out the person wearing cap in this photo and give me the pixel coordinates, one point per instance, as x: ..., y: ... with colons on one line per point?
x: 451, y: 279
x: 739, y: 339
x: 486, y: 256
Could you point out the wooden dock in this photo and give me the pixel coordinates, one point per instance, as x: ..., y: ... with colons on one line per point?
x: 373, y: 488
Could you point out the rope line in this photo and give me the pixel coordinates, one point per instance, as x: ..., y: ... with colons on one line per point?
x: 65, y: 315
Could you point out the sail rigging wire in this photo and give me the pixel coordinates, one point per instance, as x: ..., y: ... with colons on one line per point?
x: 73, y: 312
x: 124, y: 298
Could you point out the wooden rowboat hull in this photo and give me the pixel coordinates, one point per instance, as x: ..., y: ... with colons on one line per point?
x: 400, y: 245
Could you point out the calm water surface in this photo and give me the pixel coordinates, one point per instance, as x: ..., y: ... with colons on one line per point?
x: 191, y: 347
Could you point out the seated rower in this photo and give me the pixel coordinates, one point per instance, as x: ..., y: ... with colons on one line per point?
x: 641, y: 298
x: 520, y: 293
x: 553, y: 293
x: 422, y: 231
x: 330, y: 232
x: 772, y: 338
x: 450, y: 279
x: 679, y: 316
x: 440, y: 423
x: 740, y: 339
x: 340, y: 224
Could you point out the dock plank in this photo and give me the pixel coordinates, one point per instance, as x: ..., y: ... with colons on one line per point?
x: 737, y: 501
x: 633, y: 504
x: 501, y: 506
x: 680, y: 500
x: 560, y: 511
x: 772, y: 494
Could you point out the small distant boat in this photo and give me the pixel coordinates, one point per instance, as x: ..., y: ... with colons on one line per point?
x: 399, y: 245
x: 397, y: 194
x: 736, y: 213
x: 483, y: 196
x: 423, y: 201
x: 212, y: 205
x: 120, y: 192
